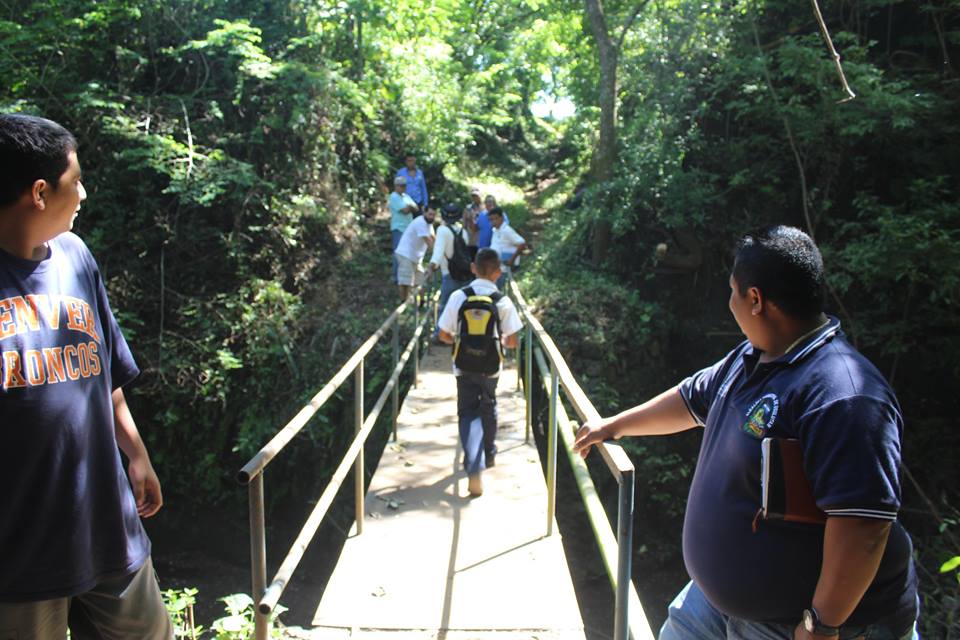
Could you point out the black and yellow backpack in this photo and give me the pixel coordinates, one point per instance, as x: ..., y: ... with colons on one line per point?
x: 477, y: 347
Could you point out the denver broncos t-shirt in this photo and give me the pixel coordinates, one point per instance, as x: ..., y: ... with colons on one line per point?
x: 827, y: 395
x: 68, y: 518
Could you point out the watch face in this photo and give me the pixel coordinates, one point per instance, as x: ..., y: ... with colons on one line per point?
x: 808, y: 623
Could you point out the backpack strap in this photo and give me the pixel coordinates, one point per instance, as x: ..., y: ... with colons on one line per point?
x: 468, y: 293
x: 454, y: 234
x: 496, y: 297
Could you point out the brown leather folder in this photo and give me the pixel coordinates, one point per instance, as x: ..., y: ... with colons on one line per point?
x: 785, y: 490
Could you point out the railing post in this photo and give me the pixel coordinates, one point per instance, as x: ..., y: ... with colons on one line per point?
x: 358, y: 470
x: 258, y: 555
x: 519, y: 376
x: 395, y: 394
x: 436, y: 303
x: 416, y: 348
x: 528, y: 357
x: 621, y: 624
x: 552, y: 448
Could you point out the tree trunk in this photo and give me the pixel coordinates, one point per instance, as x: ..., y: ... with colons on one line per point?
x: 605, y: 155
x: 358, y: 42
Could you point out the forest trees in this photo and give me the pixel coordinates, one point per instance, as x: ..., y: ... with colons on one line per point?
x: 728, y: 120
x: 235, y: 153
x: 605, y: 152
x: 236, y: 150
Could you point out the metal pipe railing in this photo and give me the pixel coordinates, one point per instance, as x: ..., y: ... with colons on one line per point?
x: 528, y: 369
x: 416, y: 355
x: 610, y: 546
x: 395, y: 395
x: 263, y: 457
x: 258, y: 551
x: 273, y: 592
x: 358, y: 468
x: 252, y: 473
x: 552, y: 449
x: 617, y: 461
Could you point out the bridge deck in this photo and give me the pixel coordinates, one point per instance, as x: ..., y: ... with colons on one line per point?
x: 435, y: 563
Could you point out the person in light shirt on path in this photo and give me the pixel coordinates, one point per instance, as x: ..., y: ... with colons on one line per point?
x: 454, y: 268
x: 478, y: 360
x: 470, y: 214
x: 402, y: 208
x: 413, y: 246
x: 507, y: 243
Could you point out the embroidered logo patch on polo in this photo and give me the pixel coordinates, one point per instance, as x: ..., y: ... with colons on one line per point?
x: 761, y: 416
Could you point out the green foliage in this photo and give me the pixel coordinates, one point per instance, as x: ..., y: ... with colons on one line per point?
x: 235, y: 155
x: 903, y: 256
x: 938, y: 557
x: 729, y: 121
x: 238, y: 624
x: 953, y: 564
x: 179, y: 604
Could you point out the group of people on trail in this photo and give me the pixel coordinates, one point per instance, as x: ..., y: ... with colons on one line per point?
x: 480, y: 224
x: 475, y: 250
x: 791, y: 528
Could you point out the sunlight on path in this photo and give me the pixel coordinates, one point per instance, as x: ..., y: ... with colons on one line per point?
x: 434, y: 563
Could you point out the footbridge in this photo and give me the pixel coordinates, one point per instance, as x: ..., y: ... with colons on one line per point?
x: 424, y: 560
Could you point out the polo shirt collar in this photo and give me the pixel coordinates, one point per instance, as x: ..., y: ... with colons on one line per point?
x: 483, y: 283
x: 813, y: 342
x: 805, y: 347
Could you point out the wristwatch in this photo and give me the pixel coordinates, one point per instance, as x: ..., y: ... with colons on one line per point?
x: 812, y: 624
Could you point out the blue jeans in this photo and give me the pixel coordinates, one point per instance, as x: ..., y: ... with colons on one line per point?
x: 447, y: 286
x: 477, y: 414
x: 692, y: 617
x: 395, y: 236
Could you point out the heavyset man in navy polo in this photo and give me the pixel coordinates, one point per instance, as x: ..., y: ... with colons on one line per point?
x: 795, y: 377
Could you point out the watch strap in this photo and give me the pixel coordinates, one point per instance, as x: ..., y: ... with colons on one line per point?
x: 819, y: 628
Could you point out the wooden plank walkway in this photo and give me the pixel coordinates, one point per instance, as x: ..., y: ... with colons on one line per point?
x: 433, y: 563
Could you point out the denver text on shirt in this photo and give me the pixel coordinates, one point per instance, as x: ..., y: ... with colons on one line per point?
x: 49, y: 365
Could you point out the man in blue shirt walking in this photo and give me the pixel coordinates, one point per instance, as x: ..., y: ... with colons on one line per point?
x: 484, y: 226
x: 416, y: 184
x: 795, y: 378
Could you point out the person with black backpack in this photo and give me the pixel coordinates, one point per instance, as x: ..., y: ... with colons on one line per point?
x: 451, y: 255
x: 479, y: 321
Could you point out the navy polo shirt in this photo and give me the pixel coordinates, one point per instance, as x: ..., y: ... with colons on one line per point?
x: 827, y: 395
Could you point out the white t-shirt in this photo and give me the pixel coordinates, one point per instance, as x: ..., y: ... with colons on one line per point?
x: 443, y: 247
x: 413, y: 242
x: 510, y: 321
x: 505, y: 242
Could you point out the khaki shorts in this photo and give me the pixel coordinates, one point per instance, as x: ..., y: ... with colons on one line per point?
x: 408, y: 273
x: 126, y: 608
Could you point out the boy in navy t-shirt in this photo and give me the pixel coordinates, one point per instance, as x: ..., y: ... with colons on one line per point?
x: 72, y: 549
x: 794, y: 378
